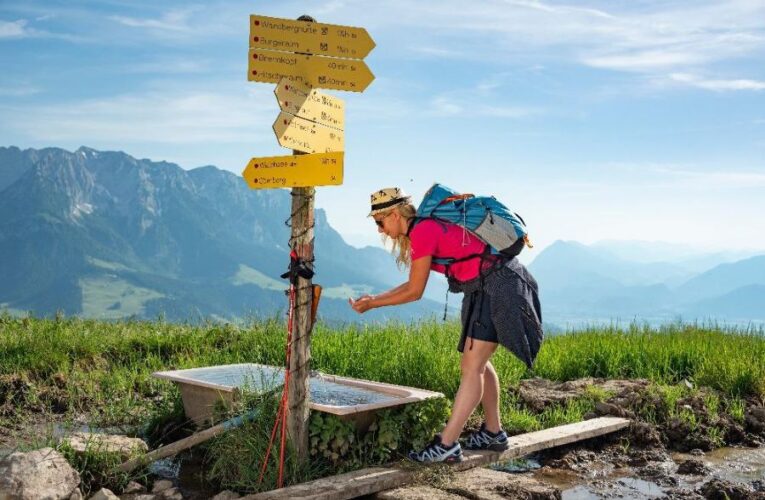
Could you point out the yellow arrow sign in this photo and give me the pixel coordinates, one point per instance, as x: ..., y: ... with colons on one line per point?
x: 303, y: 101
x: 318, y: 169
x: 298, y: 133
x: 320, y: 72
x: 333, y: 40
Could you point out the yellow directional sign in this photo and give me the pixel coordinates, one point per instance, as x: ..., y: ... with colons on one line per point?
x: 319, y: 72
x: 309, y: 38
x: 298, y: 133
x: 303, y: 101
x: 318, y: 169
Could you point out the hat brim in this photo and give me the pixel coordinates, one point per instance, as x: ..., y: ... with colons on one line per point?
x: 389, y: 205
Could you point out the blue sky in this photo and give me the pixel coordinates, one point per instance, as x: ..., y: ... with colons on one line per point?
x: 595, y: 120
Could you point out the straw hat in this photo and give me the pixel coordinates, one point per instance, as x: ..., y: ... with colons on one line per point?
x: 387, y: 198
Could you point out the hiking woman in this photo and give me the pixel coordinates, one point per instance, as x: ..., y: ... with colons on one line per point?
x: 500, y: 305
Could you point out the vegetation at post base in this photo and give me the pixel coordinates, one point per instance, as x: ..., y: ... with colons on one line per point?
x: 72, y: 371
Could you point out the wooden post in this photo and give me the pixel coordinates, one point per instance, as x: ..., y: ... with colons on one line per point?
x: 300, y: 356
x: 301, y: 240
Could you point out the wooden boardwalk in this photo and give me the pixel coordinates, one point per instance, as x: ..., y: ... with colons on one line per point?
x: 374, y: 479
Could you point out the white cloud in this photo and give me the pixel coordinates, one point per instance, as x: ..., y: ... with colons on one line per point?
x: 14, y: 29
x: 19, y: 91
x: 171, y: 116
x: 174, y: 20
x: 717, y: 85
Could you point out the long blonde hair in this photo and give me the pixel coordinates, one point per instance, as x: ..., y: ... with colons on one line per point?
x: 402, y: 246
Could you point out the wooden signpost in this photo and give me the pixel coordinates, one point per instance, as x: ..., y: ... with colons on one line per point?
x: 323, y: 169
x: 302, y: 56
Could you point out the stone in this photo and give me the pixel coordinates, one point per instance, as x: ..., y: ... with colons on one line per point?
x: 36, y: 475
x: 162, y: 485
x: 104, y: 494
x: 126, y: 447
x: 417, y: 493
x: 172, y: 494
x: 227, y: 495
x: 134, y: 487
x: 487, y: 484
x: 76, y: 495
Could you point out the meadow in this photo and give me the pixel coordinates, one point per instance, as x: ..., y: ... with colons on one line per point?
x: 100, y: 372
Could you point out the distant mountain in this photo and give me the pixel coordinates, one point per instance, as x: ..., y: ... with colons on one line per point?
x: 581, y: 283
x: 105, y: 235
x: 686, y: 257
x: 724, y: 279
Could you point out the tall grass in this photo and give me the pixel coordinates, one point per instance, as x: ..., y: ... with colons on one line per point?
x: 107, y: 366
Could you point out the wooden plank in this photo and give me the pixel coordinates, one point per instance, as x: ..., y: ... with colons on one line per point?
x: 374, y: 479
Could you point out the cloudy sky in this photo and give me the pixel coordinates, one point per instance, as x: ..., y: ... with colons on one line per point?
x: 594, y: 120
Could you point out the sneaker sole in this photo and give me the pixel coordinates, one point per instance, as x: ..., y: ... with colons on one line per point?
x: 493, y: 447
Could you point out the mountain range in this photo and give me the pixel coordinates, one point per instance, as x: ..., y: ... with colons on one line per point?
x: 587, y: 283
x: 104, y: 235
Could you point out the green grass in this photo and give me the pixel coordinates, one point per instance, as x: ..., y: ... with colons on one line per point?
x: 103, y: 370
x: 104, y: 363
x: 109, y: 297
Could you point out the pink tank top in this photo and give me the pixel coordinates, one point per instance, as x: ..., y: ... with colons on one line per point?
x: 447, y: 240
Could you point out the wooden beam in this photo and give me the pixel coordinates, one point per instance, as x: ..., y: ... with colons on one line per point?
x: 374, y: 479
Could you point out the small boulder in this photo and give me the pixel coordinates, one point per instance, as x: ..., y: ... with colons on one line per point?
x: 38, y: 474
x: 161, y: 485
x: 227, y: 495
x: 125, y: 447
x: 134, y: 487
x: 104, y: 494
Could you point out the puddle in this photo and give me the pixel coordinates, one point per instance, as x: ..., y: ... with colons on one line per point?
x: 517, y: 465
x: 738, y: 465
x: 742, y: 466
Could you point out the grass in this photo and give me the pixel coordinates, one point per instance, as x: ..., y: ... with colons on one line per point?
x: 77, y: 367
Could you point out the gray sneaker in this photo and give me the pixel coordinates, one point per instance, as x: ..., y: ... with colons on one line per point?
x: 485, y: 440
x: 437, y: 452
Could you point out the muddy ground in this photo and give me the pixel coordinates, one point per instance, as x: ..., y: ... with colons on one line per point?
x: 664, y: 456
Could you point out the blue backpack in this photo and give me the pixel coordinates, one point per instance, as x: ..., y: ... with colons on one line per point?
x: 503, y: 231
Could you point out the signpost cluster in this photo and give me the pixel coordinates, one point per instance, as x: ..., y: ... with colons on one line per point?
x: 302, y: 57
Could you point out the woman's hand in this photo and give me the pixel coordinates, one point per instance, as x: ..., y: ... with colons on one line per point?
x: 362, y: 304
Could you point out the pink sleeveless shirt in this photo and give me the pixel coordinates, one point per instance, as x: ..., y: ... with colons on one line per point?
x: 443, y: 239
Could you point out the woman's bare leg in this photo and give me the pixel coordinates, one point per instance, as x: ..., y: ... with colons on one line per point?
x: 470, y: 392
x: 490, y: 400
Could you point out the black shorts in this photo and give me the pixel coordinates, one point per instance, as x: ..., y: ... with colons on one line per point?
x: 476, y: 319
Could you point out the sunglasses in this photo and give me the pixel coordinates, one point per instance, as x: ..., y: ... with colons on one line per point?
x: 379, y: 222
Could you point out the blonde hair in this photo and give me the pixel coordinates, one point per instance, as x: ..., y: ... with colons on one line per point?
x: 402, y: 246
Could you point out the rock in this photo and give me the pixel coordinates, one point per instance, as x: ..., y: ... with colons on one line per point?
x: 693, y: 467
x: 487, y: 484
x: 36, y: 475
x: 697, y: 452
x: 134, y: 487
x: 104, y: 494
x: 126, y: 447
x: 171, y: 494
x: 76, y: 495
x: 226, y: 495
x: 162, y: 485
x: 417, y: 493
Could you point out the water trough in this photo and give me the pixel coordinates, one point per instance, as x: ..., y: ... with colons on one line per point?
x: 348, y: 398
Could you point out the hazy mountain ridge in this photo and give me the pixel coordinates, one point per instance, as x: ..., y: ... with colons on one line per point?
x: 91, y: 231
x: 104, y: 234
x: 590, y: 282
